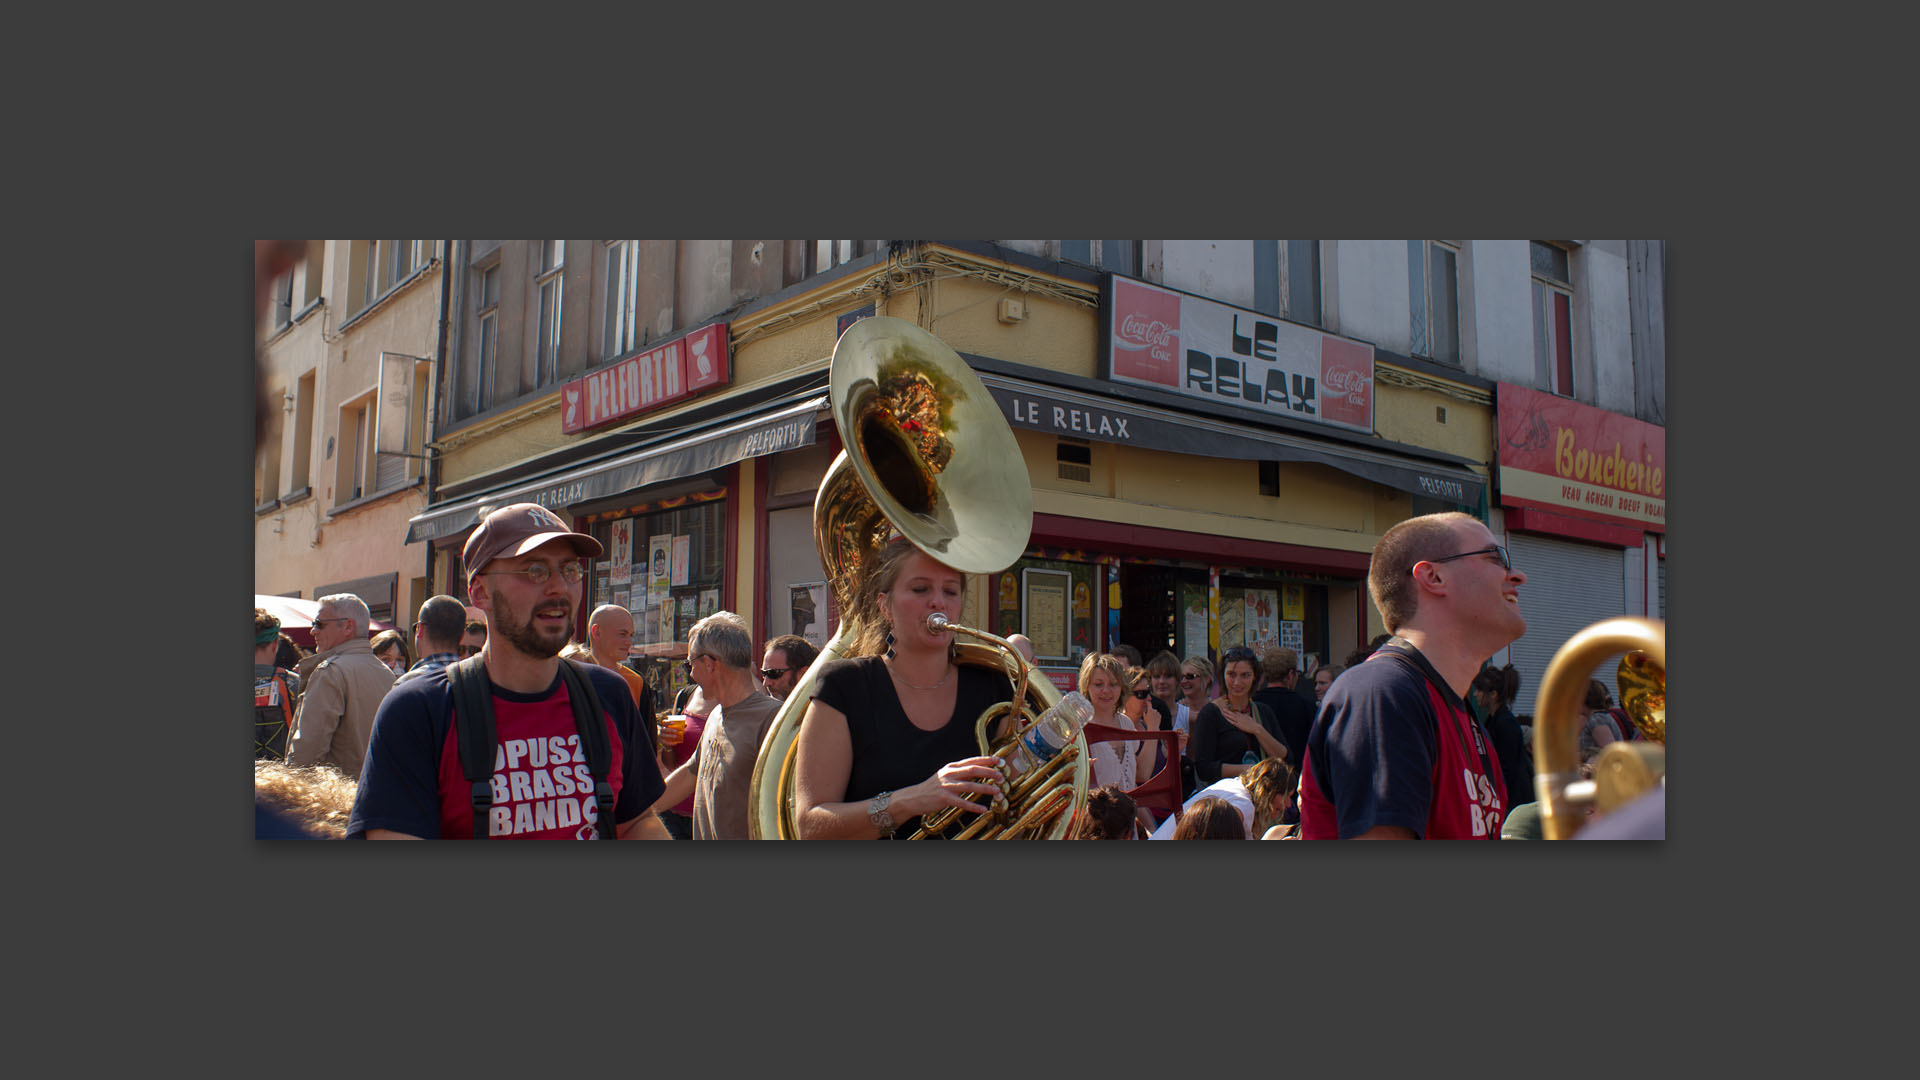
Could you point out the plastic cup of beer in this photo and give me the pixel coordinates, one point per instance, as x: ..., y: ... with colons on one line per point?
x: 673, y: 728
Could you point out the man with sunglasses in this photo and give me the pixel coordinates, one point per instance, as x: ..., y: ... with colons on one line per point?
x: 343, y: 690
x: 719, y: 775
x: 525, y: 571
x: 1394, y: 752
x: 787, y: 658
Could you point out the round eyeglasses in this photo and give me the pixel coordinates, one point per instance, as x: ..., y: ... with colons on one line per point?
x: 540, y: 573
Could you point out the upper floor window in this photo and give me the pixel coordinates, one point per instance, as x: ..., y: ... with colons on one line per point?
x: 1433, y: 289
x: 386, y: 263
x: 824, y: 255
x: 488, y: 308
x: 1300, y: 281
x: 552, y: 261
x: 382, y: 434
x: 623, y: 299
x: 283, y: 300
x: 1552, y: 319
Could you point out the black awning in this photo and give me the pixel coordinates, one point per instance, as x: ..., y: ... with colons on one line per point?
x: 784, y: 428
x: 1057, y: 410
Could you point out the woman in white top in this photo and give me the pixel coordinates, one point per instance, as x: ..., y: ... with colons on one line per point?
x: 1103, y: 679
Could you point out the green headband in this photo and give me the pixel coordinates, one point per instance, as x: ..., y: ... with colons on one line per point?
x: 267, y: 637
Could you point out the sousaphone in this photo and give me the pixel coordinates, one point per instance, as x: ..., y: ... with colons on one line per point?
x: 929, y: 455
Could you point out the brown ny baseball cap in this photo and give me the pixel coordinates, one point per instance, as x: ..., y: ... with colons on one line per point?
x: 516, y: 530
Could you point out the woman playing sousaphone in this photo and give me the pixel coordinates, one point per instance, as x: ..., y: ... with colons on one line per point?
x: 890, y: 734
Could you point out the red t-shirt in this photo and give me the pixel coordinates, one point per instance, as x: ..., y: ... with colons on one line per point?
x: 1393, y: 746
x: 542, y: 785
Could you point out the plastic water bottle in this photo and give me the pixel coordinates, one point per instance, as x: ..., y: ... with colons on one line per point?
x: 1050, y: 734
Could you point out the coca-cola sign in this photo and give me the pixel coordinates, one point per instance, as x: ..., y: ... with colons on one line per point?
x: 1215, y: 352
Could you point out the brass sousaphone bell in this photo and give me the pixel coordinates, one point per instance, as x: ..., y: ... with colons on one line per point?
x: 1624, y: 770
x: 927, y: 453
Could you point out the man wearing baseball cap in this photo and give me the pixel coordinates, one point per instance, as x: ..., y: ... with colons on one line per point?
x: 525, y: 570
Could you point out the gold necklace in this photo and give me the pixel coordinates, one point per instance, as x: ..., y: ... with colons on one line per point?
x: 891, y: 670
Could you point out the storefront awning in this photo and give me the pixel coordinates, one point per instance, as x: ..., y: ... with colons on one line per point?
x: 786, y: 428
x: 1057, y: 410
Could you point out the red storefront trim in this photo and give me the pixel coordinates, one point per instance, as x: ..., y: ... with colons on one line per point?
x: 1530, y: 519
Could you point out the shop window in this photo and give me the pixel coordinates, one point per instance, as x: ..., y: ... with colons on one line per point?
x: 1261, y: 612
x: 1050, y: 601
x: 666, y: 565
x: 1270, y: 478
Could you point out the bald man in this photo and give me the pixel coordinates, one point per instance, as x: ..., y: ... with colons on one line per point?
x: 1024, y: 644
x: 610, y: 636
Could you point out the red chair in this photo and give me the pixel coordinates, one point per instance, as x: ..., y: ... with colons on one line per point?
x: 1162, y: 790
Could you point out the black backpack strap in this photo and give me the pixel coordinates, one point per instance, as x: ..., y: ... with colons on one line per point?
x: 589, y: 716
x: 472, y: 694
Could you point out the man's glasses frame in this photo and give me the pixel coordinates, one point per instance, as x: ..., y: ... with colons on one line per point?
x: 540, y: 573
x: 773, y: 673
x: 689, y: 664
x: 1498, y: 552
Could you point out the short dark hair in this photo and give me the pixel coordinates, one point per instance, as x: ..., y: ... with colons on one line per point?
x: 443, y: 619
x: 1109, y: 815
x: 1128, y: 653
x: 1389, y: 579
x: 800, y: 652
x: 1163, y: 663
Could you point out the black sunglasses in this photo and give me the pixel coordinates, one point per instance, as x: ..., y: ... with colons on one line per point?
x: 1142, y: 694
x: 773, y: 673
x: 1496, y: 551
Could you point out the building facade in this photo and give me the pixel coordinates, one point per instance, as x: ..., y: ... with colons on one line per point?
x: 1217, y: 432
x: 347, y: 347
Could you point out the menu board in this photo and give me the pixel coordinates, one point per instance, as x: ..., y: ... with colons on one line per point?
x: 1046, y: 611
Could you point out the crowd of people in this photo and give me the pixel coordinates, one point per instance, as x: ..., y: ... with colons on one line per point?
x: 1412, y: 737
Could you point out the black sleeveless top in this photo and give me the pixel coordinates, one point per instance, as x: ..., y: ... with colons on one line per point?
x: 889, y: 753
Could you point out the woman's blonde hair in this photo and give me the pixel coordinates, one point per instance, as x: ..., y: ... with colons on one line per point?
x: 318, y: 797
x: 1106, y: 662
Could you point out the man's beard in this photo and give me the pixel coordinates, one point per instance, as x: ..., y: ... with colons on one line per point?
x: 520, y: 632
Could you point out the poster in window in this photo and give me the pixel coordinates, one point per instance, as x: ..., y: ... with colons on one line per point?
x: 623, y: 552
x: 1233, y: 631
x: 659, y: 550
x: 1046, y: 611
x: 1262, y: 608
x: 1292, y: 634
x: 809, y: 602
x: 682, y: 558
x: 709, y: 602
x: 1293, y: 602
x: 621, y: 596
x: 686, y: 613
x: 1194, y: 617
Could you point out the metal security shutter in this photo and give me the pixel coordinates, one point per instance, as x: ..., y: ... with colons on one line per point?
x: 1569, y: 587
x: 1663, y: 588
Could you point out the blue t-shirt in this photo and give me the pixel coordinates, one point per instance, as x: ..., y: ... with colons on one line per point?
x: 412, y: 782
x: 1393, y: 745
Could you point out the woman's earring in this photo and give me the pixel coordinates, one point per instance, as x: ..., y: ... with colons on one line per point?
x: 890, y: 645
